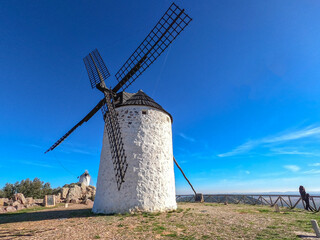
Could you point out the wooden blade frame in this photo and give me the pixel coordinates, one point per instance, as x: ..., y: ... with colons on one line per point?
x: 96, y: 66
x: 85, y: 119
x: 161, y: 36
x: 91, y: 63
x: 119, y: 158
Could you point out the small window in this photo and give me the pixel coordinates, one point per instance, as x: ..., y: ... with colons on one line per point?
x: 144, y: 112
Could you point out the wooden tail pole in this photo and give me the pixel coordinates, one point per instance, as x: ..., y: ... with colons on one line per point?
x: 198, y: 196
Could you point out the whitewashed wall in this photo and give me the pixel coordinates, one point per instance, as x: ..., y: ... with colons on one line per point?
x: 149, y: 181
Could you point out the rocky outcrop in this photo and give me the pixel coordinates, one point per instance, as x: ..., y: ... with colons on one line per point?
x: 3, y: 201
x: 18, y: 202
x: 30, y: 200
x: 89, y: 202
x: 64, y: 192
x: 74, y: 193
x: 20, y: 198
x: 71, y: 193
x: 77, y: 193
x: 20, y: 206
x: 10, y: 209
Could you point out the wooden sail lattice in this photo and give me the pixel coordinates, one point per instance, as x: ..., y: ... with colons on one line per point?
x: 117, y: 150
x: 161, y: 36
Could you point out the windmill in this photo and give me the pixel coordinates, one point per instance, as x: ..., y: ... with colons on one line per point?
x: 123, y: 111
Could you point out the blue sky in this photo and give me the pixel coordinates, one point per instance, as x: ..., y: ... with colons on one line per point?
x: 241, y: 82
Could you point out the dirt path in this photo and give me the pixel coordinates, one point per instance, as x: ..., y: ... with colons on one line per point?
x: 190, y: 221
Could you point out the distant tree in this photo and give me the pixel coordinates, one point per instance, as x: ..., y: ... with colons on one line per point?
x: 46, y: 189
x: 35, y: 189
x: 9, y: 190
x: 55, y: 191
x: 25, y: 187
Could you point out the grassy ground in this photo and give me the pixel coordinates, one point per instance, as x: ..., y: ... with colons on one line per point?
x: 190, y: 221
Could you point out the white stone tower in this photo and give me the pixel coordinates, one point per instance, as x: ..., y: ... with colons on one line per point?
x: 85, y: 178
x: 149, y: 181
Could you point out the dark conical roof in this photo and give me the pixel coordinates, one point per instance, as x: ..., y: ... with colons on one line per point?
x: 140, y: 98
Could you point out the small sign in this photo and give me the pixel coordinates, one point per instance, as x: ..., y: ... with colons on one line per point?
x: 49, y: 200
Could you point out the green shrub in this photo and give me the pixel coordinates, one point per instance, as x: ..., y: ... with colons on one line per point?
x: 35, y: 189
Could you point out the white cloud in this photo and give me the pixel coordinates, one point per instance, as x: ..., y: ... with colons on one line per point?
x: 312, y: 171
x: 240, y: 149
x: 291, y: 152
x: 314, y: 165
x: 249, y: 145
x: 292, y: 168
x: 37, y: 164
x: 307, y: 132
x: 190, y: 139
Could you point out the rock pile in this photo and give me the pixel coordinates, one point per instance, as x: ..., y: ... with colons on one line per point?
x: 18, y: 202
x: 77, y: 193
x: 70, y: 193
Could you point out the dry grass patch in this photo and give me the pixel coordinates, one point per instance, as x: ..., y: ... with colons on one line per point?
x: 189, y: 222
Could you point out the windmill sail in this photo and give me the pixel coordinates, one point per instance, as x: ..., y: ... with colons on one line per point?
x: 119, y: 159
x: 96, y: 66
x: 85, y: 119
x: 92, y: 61
x: 161, y: 36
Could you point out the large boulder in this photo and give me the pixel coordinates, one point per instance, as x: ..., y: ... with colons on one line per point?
x: 64, y: 192
x: 74, y: 193
x: 30, y: 200
x: 3, y: 210
x: 83, y: 188
x: 38, y: 201
x: 74, y: 201
x: 89, y: 202
x: 8, y: 203
x: 11, y: 209
x: 20, y: 206
x: 15, y: 203
x: 91, y: 192
x: 3, y: 201
x: 58, y: 198
x: 31, y: 205
x: 20, y: 198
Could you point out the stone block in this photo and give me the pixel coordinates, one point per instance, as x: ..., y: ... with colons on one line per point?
x: 15, y: 203
x: 3, y: 201
x: 29, y: 200
x: 75, y: 201
x: 315, y: 228
x: 74, y: 193
x: 3, y: 210
x: 20, y: 198
x: 11, y: 209
x: 8, y: 203
x: 20, y: 206
x: 89, y: 202
x: 64, y: 192
x: 38, y: 201
x: 276, y: 208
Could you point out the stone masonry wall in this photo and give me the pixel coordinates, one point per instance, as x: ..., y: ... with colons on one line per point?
x: 149, y: 181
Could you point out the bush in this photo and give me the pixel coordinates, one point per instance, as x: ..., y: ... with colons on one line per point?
x: 35, y: 189
x: 1, y: 194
